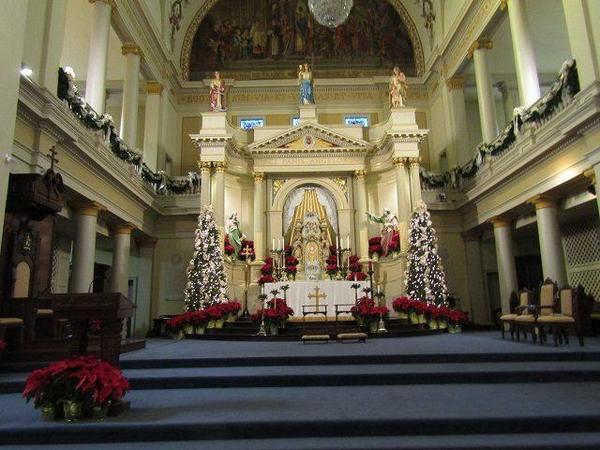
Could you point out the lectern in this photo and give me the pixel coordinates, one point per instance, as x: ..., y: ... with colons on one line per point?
x: 110, y: 309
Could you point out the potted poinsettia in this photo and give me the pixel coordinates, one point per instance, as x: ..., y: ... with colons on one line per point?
x: 375, y: 248
x: 394, y: 245
x: 228, y: 249
x: 230, y: 310
x: 215, y: 316
x: 402, y: 305
x: 456, y: 320
x: 291, y: 266
x: 442, y: 320
x: 175, y: 326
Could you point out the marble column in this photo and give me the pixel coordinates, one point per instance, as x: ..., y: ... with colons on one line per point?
x: 485, y: 93
x: 95, y: 84
x: 361, y: 214
x: 458, y: 114
x: 119, y: 271
x: 131, y: 94
x: 259, y: 214
x: 152, y: 123
x: 527, y: 76
x: 205, y: 182
x: 143, y: 312
x: 218, y: 200
x: 403, y: 196
x: 505, y: 256
x: 415, y: 182
x: 13, y: 18
x: 480, y: 308
x: 553, y: 261
x: 84, y: 248
x: 580, y: 15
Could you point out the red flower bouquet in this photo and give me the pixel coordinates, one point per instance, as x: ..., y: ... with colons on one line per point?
x: 266, y: 279
x: 227, y: 247
x: 356, y: 276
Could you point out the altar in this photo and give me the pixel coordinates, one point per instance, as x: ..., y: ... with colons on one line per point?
x: 317, y: 292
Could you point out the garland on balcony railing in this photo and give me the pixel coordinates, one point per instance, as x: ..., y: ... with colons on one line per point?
x: 103, y: 123
x: 563, y: 89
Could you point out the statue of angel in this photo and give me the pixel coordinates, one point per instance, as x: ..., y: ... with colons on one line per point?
x: 397, y: 88
x: 390, y: 226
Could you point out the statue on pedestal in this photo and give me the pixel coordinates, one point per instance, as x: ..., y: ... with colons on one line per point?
x: 305, y: 80
x: 216, y: 93
x: 397, y: 88
x: 390, y: 226
x: 232, y: 229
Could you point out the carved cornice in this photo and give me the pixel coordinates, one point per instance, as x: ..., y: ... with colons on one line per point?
x: 479, y: 44
x: 204, y: 166
x: 153, y: 88
x: 414, y: 162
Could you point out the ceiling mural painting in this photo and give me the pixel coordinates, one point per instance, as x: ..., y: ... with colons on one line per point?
x: 267, y: 39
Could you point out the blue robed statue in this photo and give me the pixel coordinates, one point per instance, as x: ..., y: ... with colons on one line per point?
x: 305, y: 80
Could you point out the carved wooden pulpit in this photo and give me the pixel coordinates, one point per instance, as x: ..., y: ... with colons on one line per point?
x: 110, y: 309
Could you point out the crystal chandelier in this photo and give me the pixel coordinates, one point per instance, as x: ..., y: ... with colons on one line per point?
x: 330, y: 13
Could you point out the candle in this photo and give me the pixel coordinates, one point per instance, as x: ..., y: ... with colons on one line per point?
x: 348, y: 242
x: 355, y: 277
x: 273, y: 245
x: 378, y: 289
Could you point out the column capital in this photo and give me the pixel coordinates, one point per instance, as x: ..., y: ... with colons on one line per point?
x: 400, y: 162
x: 220, y: 166
x: 455, y: 83
x: 204, y: 165
x: 543, y: 201
x: 360, y: 174
x: 259, y: 177
x: 84, y: 208
x: 590, y: 174
x: 501, y: 222
x: 479, y: 44
x: 122, y: 228
x: 111, y: 3
x: 153, y: 88
x: 414, y: 162
x: 129, y: 48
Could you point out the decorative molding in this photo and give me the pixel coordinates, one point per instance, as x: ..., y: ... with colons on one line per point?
x: 153, y: 88
x: 85, y: 208
x: 220, y: 166
x: 130, y: 48
x: 360, y: 174
x: 259, y: 177
x: 479, y: 44
x: 400, y: 162
x: 277, y: 185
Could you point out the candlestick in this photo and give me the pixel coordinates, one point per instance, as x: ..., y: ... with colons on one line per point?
x: 273, y: 245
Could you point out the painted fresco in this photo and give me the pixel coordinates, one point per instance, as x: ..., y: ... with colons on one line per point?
x: 271, y: 37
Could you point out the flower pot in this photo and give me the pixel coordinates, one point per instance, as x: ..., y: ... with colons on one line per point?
x: 273, y: 329
x: 200, y: 329
x: 282, y: 323
x: 99, y: 412
x: 73, y: 410
x: 413, y: 317
x: 433, y: 324
x: 402, y: 315
x: 373, y: 326
x: 442, y: 324
x: 210, y: 324
x: 454, y: 328
x: 231, y: 317
x: 48, y: 412
x: 219, y: 323
x: 188, y: 330
x: 422, y: 319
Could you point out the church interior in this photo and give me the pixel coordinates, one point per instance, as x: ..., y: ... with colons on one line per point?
x: 300, y: 224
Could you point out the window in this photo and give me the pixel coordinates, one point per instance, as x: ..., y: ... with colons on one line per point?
x: 248, y: 124
x: 295, y: 121
x: 356, y: 121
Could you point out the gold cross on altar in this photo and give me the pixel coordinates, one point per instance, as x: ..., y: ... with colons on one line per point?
x: 318, y: 295
x: 247, y: 252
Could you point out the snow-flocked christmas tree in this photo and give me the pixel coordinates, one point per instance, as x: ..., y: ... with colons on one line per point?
x: 425, y: 277
x: 206, y: 276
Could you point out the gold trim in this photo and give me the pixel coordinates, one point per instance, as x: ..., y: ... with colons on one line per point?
x: 480, y: 44
x: 400, y: 162
x: 154, y: 88
x: 590, y: 174
x: 500, y: 222
x: 543, y: 201
x: 455, y: 83
x: 360, y: 174
x: 503, y: 5
x: 259, y: 177
x: 220, y: 166
x: 414, y: 162
x: 131, y: 48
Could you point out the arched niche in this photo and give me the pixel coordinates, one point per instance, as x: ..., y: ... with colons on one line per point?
x: 406, y: 22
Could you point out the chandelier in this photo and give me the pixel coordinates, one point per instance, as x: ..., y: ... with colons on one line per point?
x: 330, y: 13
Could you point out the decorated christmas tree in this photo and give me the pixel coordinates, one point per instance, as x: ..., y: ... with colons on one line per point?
x: 425, y: 278
x: 206, y: 276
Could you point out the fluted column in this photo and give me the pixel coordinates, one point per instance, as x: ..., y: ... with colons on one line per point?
x: 259, y: 214
x: 95, y: 84
x: 485, y: 93
x: 131, y: 94
x: 527, y: 76
x: 152, y: 123
x: 205, y: 181
x: 415, y: 181
x: 219, y: 194
x: 505, y: 256
x: 403, y: 196
x: 361, y: 213
x: 458, y: 115
x: 119, y: 271
x: 84, y: 248
x: 553, y: 262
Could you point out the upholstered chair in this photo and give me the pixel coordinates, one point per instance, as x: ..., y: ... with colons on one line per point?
x: 528, y: 322
x: 525, y: 299
x: 559, y: 323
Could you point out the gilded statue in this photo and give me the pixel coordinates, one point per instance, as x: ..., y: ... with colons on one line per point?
x: 397, y: 88
x: 217, y: 93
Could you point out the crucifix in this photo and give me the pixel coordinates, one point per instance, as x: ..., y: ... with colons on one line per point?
x: 52, y: 156
x: 318, y: 295
x: 246, y: 253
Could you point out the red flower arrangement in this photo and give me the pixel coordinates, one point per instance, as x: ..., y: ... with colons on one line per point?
x: 375, y: 246
x: 457, y: 317
x: 266, y: 279
x: 366, y: 311
x: 355, y: 272
x: 228, y: 249
x: 84, y: 378
x: 394, y: 245
x: 402, y: 304
x: 291, y: 266
x: 267, y: 272
x: 277, y: 312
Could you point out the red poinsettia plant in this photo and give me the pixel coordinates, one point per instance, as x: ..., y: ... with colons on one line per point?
x: 83, y: 378
x: 394, y: 245
x: 366, y: 311
x: 375, y: 247
x: 457, y: 317
x: 230, y: 308
x: 266, y: 279
x: 355, y: 272
x: 228, y: 249
x: 291, y: 265
x: 277, y: 312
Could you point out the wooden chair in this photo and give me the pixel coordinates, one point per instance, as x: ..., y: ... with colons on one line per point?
x: 525, y: 299
x: 568, y: 318
x: 528, y: 322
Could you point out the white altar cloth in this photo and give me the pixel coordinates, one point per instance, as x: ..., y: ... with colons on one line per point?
x: 337, y: 292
